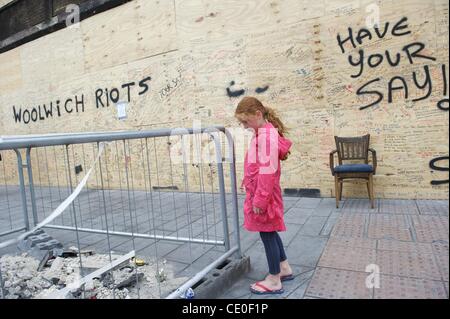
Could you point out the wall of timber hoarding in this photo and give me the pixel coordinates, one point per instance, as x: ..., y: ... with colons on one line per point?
x: 173, y: 61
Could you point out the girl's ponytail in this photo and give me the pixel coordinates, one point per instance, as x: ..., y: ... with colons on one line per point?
x: 271, y: 116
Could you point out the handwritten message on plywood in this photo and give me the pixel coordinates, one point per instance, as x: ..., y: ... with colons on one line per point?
x: 324, y: 66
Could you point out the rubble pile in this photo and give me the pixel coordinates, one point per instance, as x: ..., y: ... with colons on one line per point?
x: 25, y: 277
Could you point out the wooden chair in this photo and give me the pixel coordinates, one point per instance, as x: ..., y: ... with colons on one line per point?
x: 353, y: 149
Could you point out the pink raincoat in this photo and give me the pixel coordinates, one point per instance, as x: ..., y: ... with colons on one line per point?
x: 262, y: 172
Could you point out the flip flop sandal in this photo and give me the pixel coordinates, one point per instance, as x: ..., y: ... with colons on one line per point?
x: 266, y: 291
x: 287, y: 277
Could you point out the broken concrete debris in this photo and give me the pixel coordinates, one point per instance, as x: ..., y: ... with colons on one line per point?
x: 26, y: 277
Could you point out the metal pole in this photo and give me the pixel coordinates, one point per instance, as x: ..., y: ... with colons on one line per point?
x: 7, y: 196
x: 12, y: 231
x: 223, y: 203
x: 73, y: 207
x: 22, y: 190
x: 232, y: 159
x: 144, y: 236
x: 2, y: 286
x: 71, y: 139
x: 106, y: 213
x: 32, y: 193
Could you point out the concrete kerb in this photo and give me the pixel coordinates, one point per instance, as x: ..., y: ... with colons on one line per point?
x: 222, y: 278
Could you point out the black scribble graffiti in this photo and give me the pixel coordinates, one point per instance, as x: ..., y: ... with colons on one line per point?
x: 262, y: 90
x: 237, y: 93
x: 234, y: 93
x: 441, y: 106
x: 444, y: 101
x: 439, y: 169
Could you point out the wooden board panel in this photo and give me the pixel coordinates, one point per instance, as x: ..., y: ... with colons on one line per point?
x: 209, y: 21
x: 289, y: 49
x: 147, y: 28
x: 10, y: 72
x: 56, y: 57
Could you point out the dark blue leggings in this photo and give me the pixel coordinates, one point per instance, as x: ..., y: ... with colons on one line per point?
x: 274, y: 251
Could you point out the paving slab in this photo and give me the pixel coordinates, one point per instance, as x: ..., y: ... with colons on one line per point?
x: 386, y: 226
x: 415, y: 265
x: 396, y: 287
x: 433, y: 207
x: 339, y: 284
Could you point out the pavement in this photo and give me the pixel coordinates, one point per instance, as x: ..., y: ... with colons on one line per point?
x: 397, y: 250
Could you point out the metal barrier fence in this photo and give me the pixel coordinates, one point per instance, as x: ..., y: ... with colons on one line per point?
x: 131, y: 194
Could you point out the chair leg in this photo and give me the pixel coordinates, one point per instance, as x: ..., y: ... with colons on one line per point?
x: 341, y: 187
x: 371, y: 195
x: 336, y: 186
x: 368, y: 188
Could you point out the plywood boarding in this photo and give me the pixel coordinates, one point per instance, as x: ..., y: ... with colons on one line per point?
x: 193, y: 50
x: 127, y: 33
x: 201, y: 21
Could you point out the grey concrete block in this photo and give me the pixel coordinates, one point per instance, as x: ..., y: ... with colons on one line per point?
x: 306, y: 250
x: 51, y: 244
x: 35, y: 233
x: 289, y: 234
x: 308, y: 202
x: 313, y: 226
x: 322, y: 212
x: 221, y: 279
x: 298, y: 215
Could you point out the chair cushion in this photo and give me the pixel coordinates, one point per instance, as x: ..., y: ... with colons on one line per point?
x: 354, y: 168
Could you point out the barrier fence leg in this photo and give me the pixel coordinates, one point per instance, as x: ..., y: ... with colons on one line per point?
x: 232, y: 159
x: 32, y: 193
x: 22, y: 190
x: 223, y: 203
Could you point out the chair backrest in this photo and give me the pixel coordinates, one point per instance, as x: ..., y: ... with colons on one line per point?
x: 353, y: 148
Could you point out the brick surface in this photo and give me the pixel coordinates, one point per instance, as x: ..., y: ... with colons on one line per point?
x: 416, y: 265
x: 398, y: 206
x: 441, y: 252
x: 353, y: 242
x: 395, y: 287
x: 350, y: 225
x: 338, y: 284
x: 431, y: 228
x: 347, y: 258
x: 359, y: 206
x: 385, y: 226
x: 395, y: 245
x: 433, y: 207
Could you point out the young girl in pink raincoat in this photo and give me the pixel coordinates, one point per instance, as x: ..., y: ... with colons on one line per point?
x: 263, y: 206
